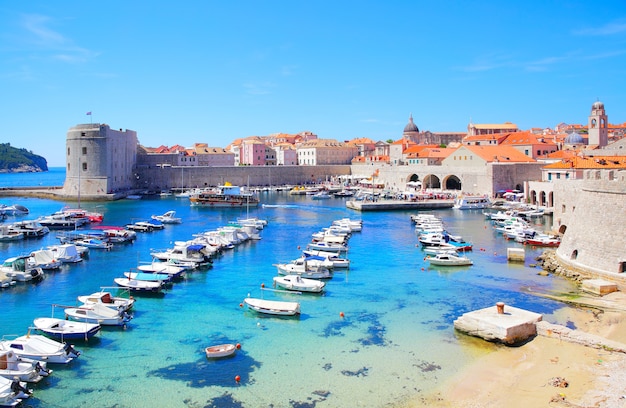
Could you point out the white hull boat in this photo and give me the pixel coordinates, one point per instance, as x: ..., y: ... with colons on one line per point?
x: 12, y: 392
x: 168, y: 218
x: 273, y: 307
x: 13, y: 367
x: 298, y: 284
x: 40, y: 348
x: 98, y: 314
x: 220, y: 351
x: 304, y: 270
x: 63, y: 330
x: 105, y: 299
x: 448, y: 259
x: 139, y: 286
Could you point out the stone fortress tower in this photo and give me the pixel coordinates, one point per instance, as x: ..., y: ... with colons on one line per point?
x: 99, y: 160
x: 598, y: 126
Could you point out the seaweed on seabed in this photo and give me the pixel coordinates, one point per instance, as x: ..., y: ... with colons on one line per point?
x: 334, y: 328
x: 225, y: 400
x: 311, y: 402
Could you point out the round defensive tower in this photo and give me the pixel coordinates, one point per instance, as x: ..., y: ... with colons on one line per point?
x: 99, y: 160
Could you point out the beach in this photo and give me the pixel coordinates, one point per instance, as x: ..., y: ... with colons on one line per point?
x: 523, y: 376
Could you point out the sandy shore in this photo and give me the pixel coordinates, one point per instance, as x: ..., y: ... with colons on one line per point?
x: 523, y: 376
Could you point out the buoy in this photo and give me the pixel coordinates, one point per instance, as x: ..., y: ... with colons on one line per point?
x: 237, y: 378
x: 422, y: 268
x: 258, y: 324
x: 495, y: 253
x: 263, y: 285
x: 298, y: 246
x: 240, y: 304
x: 238, y: 346
x: 341, y: 314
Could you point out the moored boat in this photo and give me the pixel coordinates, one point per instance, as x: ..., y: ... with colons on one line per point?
x: 98, y: 313
x: 220, y: 351
x: 299, y: 284
x: 40, y: 348
x: 63, y: 330
x: 273, y: 307
x: 104, y: 298
x: 448, y: 259
x: 224, y: 196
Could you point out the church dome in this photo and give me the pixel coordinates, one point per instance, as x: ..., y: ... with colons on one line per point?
x: 597, y: 105
x: 574, y: 138
x: 411, y: 127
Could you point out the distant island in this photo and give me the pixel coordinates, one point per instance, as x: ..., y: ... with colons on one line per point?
x: 15, y: 160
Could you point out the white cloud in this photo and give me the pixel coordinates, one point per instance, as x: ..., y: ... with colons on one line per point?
x: 607, y: 29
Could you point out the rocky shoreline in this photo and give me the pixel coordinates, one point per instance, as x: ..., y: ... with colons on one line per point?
x: 550, y: 263
x: 24, y: 168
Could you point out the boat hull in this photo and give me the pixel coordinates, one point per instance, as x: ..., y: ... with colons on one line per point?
x: 220, y: 351
x: 276, y: 308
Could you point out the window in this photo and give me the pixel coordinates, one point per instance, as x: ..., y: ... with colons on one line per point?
x: 84, y: 166
x: 68, y: 151
x: 84, y: 150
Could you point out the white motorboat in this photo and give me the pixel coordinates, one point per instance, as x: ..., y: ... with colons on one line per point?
x: 472, y: 203
x: 448, y: 259
x: 8, y: 235
x: 13, y: 367
x: 185, y: 252
x: 175, y: 272
x: 98, y: 313
x: 220, y: 351
x: 6, y: 281
x: 104, y: 298
x: 327, y: 246
x: 164, y: 278
x: 67, y: 253
x: 138, y: 285
x: 15, y: 209
x: 63, y: 330
x: 273, y: 307
x: 299, y: 284
x: 30, y: 228
x: 20, y: 270
x: 168, y: 218
x: 40, y: 348
x: 302, y: 268
x: 44, y: 259
x: 93, y: 243
x: 12, y: 392
x: 337, y: 262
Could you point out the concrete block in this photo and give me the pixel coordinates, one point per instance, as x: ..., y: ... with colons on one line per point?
x: 515, y: 254
x: 500, y: 323
x: 598, y: 286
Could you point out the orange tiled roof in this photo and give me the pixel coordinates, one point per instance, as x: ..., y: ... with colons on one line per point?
x: 587, y: 162
x: 523, y: 138
x: 503, y: 154
x: 415, y: 148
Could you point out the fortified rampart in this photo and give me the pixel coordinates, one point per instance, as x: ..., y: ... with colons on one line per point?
x: 590, y: 214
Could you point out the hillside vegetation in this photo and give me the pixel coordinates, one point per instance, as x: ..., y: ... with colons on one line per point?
x: 13, y: 159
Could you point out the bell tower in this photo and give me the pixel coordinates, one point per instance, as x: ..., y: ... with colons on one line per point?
x: 598, y: 125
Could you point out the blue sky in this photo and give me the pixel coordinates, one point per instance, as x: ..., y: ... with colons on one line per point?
x: 213, y: 71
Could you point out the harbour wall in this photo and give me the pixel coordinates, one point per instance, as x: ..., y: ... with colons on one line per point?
x: 590, y: 214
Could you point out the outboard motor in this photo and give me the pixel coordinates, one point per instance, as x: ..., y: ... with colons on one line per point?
x: 19, y: 390
x: 41, y: 370
x: 71, y: 351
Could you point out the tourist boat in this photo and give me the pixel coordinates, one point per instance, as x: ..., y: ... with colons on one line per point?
x: 448, y: 259
x: 105, y: 299
x: 7, y: 234
x: 40, y: 348
x: 63, y: 330
x: 304, y: 269
x: 20, y: 270
x: 30, y: 228
x: 299, y: 284
x: 14, y: 367
x: 224, y: 196
x: 62, y: 221
x: 168, y: 218
x: 98, y: 313
x: 83, y: 214
x: 544, y: 240
x: 273, y: 307
x: 44, y: 259
x: 13, y: 392
x: 471, y: 203
x: 220, y: 351
x: 138, y: 285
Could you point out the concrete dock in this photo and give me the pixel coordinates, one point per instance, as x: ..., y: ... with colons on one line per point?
x: 393, y: 205
x: 506, y: 324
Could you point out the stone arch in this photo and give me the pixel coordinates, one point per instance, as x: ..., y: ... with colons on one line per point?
x: 574, y: 254
x: 452, y: 182
x: 542, y: 198
x: 550, y: 199
x: 431, y: 181
x: 562, y: 229
x: 533, y: 197
x: 413, y: 177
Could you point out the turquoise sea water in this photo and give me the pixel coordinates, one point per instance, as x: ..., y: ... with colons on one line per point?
x: 395, y: 342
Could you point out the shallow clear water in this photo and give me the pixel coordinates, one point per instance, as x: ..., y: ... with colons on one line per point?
x: 395, y: 342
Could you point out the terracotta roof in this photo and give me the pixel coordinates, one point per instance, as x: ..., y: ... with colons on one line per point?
x: 415, y: 148
x: 503, y: 154
x: 524, y: 138
x: 505, y: 125
x: 587, y: 162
